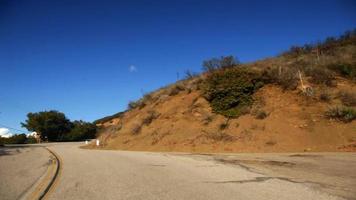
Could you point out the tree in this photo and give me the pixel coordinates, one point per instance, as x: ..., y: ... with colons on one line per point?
x: 81, y: 130
x: 52, y: 125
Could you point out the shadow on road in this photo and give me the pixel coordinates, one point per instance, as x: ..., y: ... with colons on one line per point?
x: 11, y: 150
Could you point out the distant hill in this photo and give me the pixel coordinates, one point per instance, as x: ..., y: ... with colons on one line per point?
x: 301, y: 100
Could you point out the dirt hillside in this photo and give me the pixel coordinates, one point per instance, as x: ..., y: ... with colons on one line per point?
x: 180, y: 117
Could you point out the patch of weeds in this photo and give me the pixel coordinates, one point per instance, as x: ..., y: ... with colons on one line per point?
x: 190, y: 75
x: 132, y: 105
x: 136, y: 104
x: 286, y: 77
x: 347, y: 98
x: 322, y: 75
x: 136, y: 129
x: 175, y: 90
x: 342, y: 113
x: 261, y: 114
x: 208, y: 119
x: 325, y: 96
x: 220, y: 136
x: 224, y: 125
x: 344, y: 69
x: 151, y: 115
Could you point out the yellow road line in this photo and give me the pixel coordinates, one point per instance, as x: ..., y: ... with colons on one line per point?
x: 50, y: 180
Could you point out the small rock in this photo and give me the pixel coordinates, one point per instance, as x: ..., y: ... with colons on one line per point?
x: 307, y: 149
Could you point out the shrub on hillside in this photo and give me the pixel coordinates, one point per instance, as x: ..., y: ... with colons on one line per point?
x: 224, y: 125
x: 321, y: 75
x: 136, y: 129
x: 189, y: 74
x: 151, y: 115
x: 344, y: 69
x: 136, y: 104
x: 325, y: 47
x: 230, y: 91
x: 175, y: 90
x: 261, y: 114
x: 342, y: 113
x: 286, y: 77
x: 220, y: 63
x: 325, y: 96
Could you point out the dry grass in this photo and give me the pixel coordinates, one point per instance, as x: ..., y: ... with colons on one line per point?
x: 136, y: 129
x: 325, y: 96
x: 220, y: 137
x: 151, y: 115
x: 348, y: 98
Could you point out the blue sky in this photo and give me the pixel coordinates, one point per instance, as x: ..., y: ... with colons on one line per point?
x: 89, y: 58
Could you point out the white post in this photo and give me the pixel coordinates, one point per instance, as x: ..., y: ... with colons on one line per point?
x: 86, y: 141
x: 97, y: 142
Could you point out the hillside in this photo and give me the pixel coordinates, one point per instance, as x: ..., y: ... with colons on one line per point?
x: 301, y: 100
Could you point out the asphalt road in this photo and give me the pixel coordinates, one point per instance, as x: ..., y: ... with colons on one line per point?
x: 103, y: 174
x: 20, y: 169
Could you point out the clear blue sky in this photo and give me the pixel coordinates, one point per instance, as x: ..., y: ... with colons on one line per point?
x: 75, y: 55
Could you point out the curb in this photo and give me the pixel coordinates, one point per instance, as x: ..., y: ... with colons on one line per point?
x: 47, y: 183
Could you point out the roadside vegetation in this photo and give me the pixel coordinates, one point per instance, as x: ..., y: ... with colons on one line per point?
x: 342, y: 113
x: 229, y: 85
x: 229, y: 91
x: 54, y: 126
x: 17, y: 139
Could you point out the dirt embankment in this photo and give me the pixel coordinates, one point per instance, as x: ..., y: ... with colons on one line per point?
x: 185, y: 122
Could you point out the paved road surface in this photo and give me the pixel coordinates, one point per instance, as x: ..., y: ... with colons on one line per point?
x: 20, y: 169
x: 103, y: 174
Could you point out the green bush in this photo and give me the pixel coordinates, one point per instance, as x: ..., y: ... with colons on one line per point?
x: 230, y: 91
x: 342, y: 113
